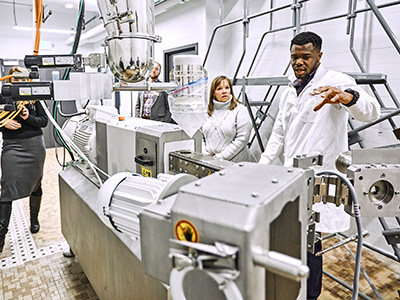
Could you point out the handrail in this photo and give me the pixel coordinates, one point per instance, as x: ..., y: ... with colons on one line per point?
x: 358, y: 129
x: 384, y: 24
x: 281, y: 8
x: 240, y: 20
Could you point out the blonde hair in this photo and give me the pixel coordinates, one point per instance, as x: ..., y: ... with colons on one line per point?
x: 14, y: 70
x: 215, y: 83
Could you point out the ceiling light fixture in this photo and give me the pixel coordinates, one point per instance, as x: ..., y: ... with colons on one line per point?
x: 69, y: 6
x: 44, y: 30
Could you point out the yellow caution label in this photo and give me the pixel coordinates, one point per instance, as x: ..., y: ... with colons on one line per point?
x: 185, y: 231
x: 146, y: 172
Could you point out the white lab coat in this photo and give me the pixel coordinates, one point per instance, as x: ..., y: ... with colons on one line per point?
x: 299, y: 130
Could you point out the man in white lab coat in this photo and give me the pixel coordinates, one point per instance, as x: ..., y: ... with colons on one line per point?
x: 312, y: 119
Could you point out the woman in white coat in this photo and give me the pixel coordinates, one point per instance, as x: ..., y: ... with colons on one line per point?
x: 227, y: 129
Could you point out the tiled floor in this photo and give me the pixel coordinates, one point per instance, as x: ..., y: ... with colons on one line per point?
x: 33, y: 267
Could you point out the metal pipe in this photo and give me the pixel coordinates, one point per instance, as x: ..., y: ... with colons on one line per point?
x: 271, y: 16
x: 253, y: 121
x: 384, y: 24
x: 358, y: 61
x: 362, y: 10
x: 279, y: 263
x: 310, y: 23
x: 392, y: 95
x: 162, y: 86
x: 388, y: 116
x: 396, y: 250
x: 270, y: 11
x: 345, y: 284
x: 245, y: 35
x: 349, y: 8
x: 237, y: 21
x: 351, y: 124
x: 342, y: 242
x: 221, y: 11
x: 377, y: 250
x: 296, y: 16
x: 374, y: 289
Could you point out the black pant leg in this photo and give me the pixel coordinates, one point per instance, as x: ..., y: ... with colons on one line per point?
x: 314, y: 281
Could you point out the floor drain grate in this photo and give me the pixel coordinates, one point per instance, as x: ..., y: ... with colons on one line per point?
x: 21, y: 241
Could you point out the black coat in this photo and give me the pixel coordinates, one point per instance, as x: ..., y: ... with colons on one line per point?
x: 159, y: 108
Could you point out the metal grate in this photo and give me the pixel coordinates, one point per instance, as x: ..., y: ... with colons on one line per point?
x: 21, y: 241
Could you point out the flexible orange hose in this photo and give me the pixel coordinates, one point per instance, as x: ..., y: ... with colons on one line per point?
x: 11, y: 116
x: 39, y: 16
x: 5, y: 77
x: 37, y: 36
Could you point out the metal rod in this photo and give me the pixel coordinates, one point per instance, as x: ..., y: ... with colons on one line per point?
x: 362, y: 10
x: 268, y: 107
x: 392, y: 95
x: 366, y: 276
x: 278, y: 8
x: 253, y: 121
x: 388, y: 116
x: 377, y: 250
x: 296, y: 16
x: 281, y: 8
x: 244, y: 40
x: 342, y: 242
x: 358, y: 61
x: 349, y: 8
x: 394, y: 247
x: 384, y: 24
x: 260, y: 44
x: 351, y: 124
x: 345, y: 284
x: 221, y: 11
x: 272, y: 10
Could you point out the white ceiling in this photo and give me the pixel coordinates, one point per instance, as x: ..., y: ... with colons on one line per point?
x: 55, y: 5
x: 20, y: 13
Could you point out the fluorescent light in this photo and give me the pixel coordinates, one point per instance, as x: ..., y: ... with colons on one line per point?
x: 44, y: 30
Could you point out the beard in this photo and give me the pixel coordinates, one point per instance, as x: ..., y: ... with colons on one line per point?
x: 306, y: 74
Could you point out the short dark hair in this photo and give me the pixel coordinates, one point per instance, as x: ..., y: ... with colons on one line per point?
x: 156, y: 62
x: 307, y: 37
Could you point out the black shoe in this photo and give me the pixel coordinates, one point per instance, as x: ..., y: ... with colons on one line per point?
x: 2, y: 240
x: 35, y: 226
x: 34, y: 206
x: 5, y: 213
x: 68, y: 253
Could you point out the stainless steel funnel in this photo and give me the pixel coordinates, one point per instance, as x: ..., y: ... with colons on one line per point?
x: 130, y: 37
